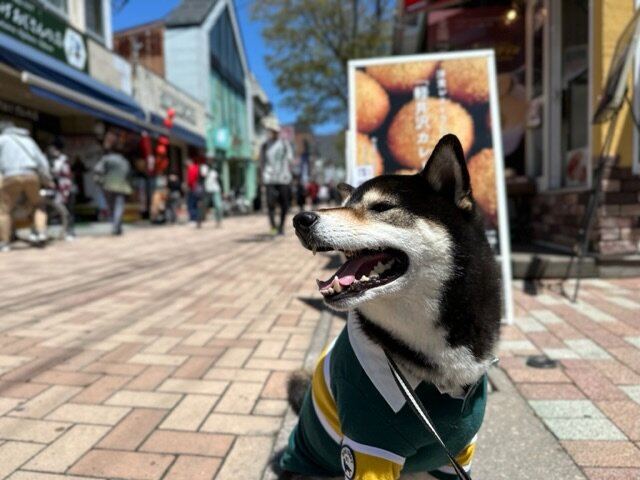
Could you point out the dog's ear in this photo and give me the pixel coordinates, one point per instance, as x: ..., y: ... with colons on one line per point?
x: 446, y: 172
x: 344, y: 189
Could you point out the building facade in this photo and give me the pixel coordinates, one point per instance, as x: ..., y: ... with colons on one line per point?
x: 204, y: 55
x: 143, y: 45
x: 553, y: 59
x: 61, y: 80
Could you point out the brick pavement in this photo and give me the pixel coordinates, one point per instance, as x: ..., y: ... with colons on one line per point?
x: 591, y: 401
x: 163, y: 355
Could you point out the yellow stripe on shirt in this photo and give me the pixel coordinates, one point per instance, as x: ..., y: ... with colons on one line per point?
x: 323, y: 402
x: 370, y: 463
x: 369, y: 467
x: 464, y: 457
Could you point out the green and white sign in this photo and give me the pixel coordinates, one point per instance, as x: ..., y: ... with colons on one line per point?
x: 32, y: 24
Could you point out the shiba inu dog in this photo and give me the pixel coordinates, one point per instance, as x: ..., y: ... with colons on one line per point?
x: 421, y: 283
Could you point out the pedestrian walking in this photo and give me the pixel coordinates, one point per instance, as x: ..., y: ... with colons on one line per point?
x: 112, y: 174
x: 63, y: 178
x: 213, y: 191
x: 301, y: 194
x: 194, y: 189
x: 174, y: 197
x: 275, y: 159
x: 23, y: 170
x: 312, y: 191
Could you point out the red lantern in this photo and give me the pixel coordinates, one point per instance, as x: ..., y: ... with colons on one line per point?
x: 161, y: 150
x: 145, y: 145
x: 163, y: 140
x: 168, y: 123
x: 171, y: 112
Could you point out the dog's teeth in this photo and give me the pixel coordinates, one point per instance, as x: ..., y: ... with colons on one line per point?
x: 336, y: 285
x: 364, y: 278
x: 379, y: 268
x: 374, y: 276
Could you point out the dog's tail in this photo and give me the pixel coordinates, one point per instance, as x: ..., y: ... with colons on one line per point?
x: 297, y: 387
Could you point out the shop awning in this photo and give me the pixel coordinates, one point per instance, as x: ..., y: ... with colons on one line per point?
x: 118, y: 120
x: 53, y: 79
x: 187, y: 136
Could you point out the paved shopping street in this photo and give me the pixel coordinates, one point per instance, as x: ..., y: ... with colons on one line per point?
x: 591, y: 401
x: 163, y: 354
x: 160, y: 354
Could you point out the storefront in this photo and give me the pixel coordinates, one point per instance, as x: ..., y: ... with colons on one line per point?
x: 216, y: 72
x: 552, y: 59
x: 187, y: 127
x: 53, y: 99
x: 61, y: 84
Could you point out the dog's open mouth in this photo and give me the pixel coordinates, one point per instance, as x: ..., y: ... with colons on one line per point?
x: 364, y: 270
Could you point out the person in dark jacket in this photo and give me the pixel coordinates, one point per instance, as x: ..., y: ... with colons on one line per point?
x: 112, y: 174
x: 174, y: 197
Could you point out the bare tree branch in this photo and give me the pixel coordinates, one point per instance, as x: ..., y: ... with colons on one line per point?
x: 310, y: 43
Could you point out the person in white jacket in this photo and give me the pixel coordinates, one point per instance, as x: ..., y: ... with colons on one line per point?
x: 23, y: 169
x: 213, y: 190
x: 276, y: 158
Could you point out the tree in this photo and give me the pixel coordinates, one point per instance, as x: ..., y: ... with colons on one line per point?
x: 310, y: 44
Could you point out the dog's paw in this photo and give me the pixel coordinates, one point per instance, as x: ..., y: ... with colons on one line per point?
x: 297, y: 387
x: 274, y: 465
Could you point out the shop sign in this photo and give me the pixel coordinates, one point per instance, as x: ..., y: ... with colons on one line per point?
x: 43, y: 30
x: 222, y: 138
x: 401, y: 106
x: 15, y: 110
x: 183, y: 111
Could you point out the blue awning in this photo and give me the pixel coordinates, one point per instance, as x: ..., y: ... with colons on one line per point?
x: 184, y: 134
x: 22, y: 57
x: 119, y: 121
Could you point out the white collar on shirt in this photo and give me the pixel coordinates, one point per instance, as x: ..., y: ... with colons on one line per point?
x: 374, y: 363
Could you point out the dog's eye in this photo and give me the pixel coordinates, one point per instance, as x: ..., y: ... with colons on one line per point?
x: 381, y: 207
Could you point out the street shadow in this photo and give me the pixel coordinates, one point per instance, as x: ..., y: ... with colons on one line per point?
x: 318, y: 304
x: 259, y: 238
x: 532, y: 276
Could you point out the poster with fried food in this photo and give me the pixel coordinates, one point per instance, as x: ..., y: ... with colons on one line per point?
x: 400, y: 107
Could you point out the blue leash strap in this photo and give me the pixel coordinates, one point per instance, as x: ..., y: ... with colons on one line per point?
x: 418, y: 408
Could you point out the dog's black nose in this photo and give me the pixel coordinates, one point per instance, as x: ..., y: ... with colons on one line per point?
x: 304, y: 220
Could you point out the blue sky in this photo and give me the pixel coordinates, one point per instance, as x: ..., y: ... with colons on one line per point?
x: 137, y: 11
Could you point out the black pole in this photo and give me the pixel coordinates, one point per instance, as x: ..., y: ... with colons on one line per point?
x: 582, y: 244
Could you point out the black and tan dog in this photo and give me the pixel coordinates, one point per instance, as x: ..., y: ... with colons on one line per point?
x: 421, y: 283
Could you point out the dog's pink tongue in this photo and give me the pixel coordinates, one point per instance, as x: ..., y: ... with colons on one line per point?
x: 352, y: 269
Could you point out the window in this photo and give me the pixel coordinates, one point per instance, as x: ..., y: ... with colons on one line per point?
x: 574, y: 85
x: 93, y: 17
x: 225, y: 56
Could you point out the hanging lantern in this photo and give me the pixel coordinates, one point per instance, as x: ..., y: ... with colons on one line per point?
x: 161, y: 150
x: 171, y: 112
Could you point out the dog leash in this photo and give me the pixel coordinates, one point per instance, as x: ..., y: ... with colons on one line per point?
x: 418, y: 408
